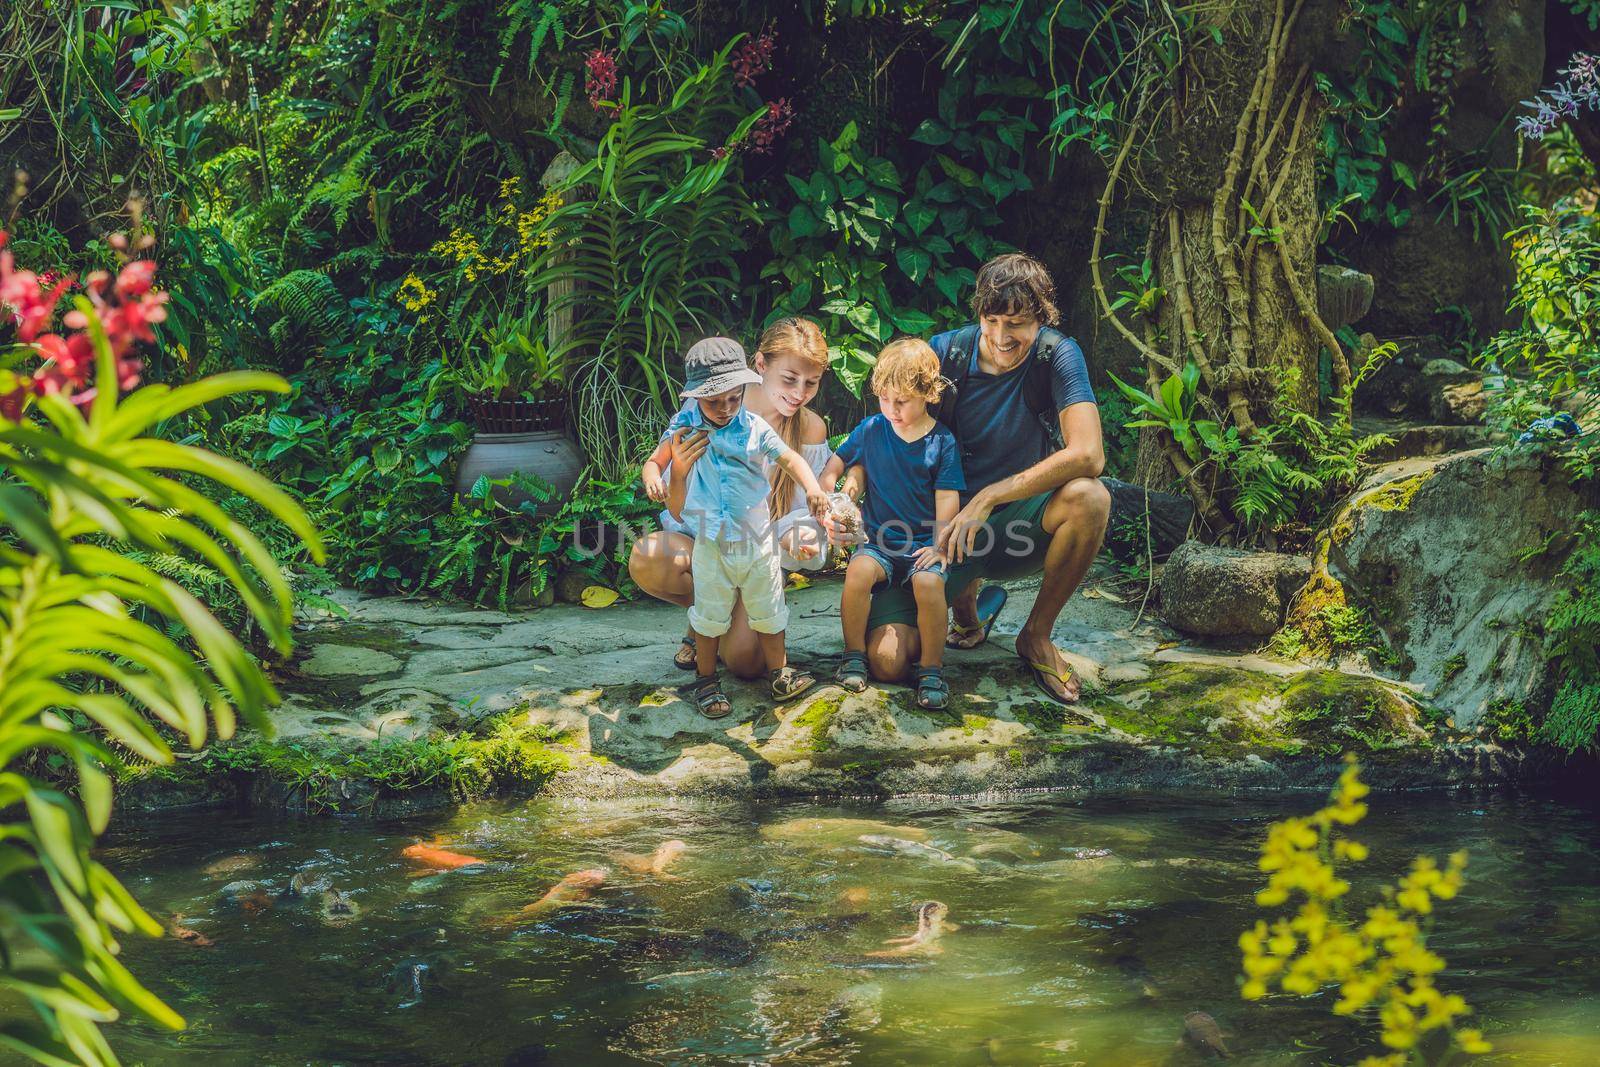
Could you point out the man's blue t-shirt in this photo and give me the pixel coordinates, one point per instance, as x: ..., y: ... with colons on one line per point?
x: 1000, y: 434
x: 902, y: 477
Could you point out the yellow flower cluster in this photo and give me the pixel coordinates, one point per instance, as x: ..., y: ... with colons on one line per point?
x: 1382, y: 963
x: 415, y: 295
x: 463, y: 247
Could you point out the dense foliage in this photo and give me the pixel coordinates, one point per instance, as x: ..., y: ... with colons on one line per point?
x: 103, y: 658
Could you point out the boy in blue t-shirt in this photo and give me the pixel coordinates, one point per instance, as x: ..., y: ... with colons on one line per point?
x: 910, y: 467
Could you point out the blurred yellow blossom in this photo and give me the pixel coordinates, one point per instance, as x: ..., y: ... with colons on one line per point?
x: 1381, y: 963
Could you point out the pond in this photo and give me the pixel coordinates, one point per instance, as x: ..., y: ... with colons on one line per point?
x: 1088, y: 928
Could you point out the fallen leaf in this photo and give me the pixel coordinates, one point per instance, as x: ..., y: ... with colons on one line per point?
x: 597, y: 596
x: 1163, y: 646
x: 799, y: 581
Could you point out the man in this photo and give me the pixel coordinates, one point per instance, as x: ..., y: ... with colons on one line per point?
x: 1033, y: 503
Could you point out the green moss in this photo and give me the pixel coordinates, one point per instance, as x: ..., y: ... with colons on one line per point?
x: 509, y: 755
x: 816, y: 717
x: 1016, y: 757
x: 1452, y: 667
x: 1395, y: 495
x: 1222, y: 711
x: 971, y: 724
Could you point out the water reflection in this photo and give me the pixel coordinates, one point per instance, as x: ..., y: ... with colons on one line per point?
x: 1068, y: 931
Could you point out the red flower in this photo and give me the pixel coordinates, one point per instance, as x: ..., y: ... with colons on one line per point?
x: 771, y: 126
x: 21, y: 290
x: 127, y: 310
x: 600, y: 78
x: 753, y: 57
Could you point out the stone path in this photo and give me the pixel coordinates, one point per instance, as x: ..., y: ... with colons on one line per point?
x: 1157, y: 713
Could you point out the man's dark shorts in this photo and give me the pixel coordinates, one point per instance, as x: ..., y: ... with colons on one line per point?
x: 1016, y: 545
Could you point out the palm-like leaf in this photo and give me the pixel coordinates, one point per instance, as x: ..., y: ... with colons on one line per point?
x: 647, y: 243
x: 73, y: 642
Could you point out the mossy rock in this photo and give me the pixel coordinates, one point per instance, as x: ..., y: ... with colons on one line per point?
x: 1220, y: 711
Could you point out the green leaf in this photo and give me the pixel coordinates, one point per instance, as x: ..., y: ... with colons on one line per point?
x: 919, y: 216
x: 931, y: 132
x: 1403, y: 174
x: 913, y: 322
x: 914, y: 262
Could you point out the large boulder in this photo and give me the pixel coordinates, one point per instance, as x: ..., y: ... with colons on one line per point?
x: 1455, y: 560
x: 1227, y: 592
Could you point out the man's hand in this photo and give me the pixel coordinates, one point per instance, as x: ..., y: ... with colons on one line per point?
x: 955, y: 541
x: 687, y: 447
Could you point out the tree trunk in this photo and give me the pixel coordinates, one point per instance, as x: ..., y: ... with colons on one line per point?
x: 1231, y: 161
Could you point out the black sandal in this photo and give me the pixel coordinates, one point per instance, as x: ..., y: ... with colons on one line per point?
x: 789, y: 682
x: 933, y: 694
x: 684, y: 658
x: 852, y: 672
x: 708, y: 696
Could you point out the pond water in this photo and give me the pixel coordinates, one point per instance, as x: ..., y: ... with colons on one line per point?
x: 1088, y: 929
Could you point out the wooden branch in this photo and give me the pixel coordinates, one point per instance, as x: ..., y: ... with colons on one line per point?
x: 1106, y: 195
x: 1258, y: 167
x: 1187, y: 320
x: 1308, y: 310
x: 1269, y: 205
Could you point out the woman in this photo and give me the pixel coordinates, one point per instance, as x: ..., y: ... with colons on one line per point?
x: 791, y: 359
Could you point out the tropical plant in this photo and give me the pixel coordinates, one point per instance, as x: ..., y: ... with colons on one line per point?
x: 1289, y: 470
x: 88, y: 674
x: 1380, y: 964
x: 644, y: 254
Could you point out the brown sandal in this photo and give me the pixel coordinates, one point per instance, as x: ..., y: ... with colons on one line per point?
x: 708, y: 696
x: 684, y: 658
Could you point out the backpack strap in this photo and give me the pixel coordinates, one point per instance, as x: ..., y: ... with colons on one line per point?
x: 956, y: 367
x: 1041, y: 384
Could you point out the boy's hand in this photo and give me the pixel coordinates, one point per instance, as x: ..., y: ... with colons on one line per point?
x: 655, y: 486
x: 687, y: 447
x: 927, y: 557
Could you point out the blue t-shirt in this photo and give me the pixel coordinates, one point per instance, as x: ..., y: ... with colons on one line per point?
x: 902, y: 477
x: 1000, y: 434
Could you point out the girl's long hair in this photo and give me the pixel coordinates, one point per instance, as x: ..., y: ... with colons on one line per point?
x: 791, y: 337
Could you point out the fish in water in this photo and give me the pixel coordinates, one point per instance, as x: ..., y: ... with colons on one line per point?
x: 932, y: 924
x: 429, y: 882
x: 440, y: 858
x: 856, y: 1007
x: 306, y: 884
x: 656, y: 863
x: 409, y: 978
x: 242, y: 861
x: 828, y: 924
x: 822, y: 833
x: 184, y: 934
x: 855, y: 896
x: 337, y: 909
x: 572, y: 889
x: 251, y: 897
x: 714, y: 946
x: 914, y: 849
x: 1201, y: 1032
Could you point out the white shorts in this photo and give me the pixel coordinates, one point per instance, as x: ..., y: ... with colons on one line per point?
x: 724, y: 570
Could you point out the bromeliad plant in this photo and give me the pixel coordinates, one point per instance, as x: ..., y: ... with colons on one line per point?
x: 103, y: 659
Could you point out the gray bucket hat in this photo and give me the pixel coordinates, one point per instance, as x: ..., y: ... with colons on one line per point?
x: 714, y: 366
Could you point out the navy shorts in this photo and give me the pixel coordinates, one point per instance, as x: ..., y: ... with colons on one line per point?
x: 898, y: 568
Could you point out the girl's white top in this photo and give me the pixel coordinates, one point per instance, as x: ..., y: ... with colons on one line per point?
x: 816, y: 457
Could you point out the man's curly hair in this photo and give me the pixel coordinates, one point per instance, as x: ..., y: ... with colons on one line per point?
x: 1015, y: 284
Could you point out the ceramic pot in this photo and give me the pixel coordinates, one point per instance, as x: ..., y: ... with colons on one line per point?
x: 518, y: 435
